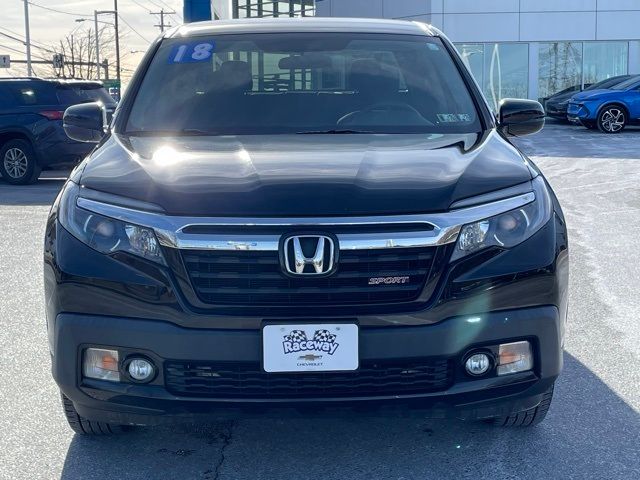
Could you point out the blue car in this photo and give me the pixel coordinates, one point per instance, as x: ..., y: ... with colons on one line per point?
x: 611, y: 110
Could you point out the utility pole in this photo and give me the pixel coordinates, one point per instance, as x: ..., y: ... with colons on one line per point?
x: 95, y: 21
x: 162, y: 13
x: 27, y: 34
x: 115, y: 11
x: 73, y: 58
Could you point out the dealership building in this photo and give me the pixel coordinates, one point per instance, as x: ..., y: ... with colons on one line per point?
x: 515, y: 48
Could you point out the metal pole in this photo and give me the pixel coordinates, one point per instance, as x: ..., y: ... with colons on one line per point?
x: 115, y: 8
x: 73, y: 58
x: 162, y: 25
x: 95, y: 21
x: 27, y: 34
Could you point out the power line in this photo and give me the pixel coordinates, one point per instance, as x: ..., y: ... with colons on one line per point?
x: 170, y: 8
x: 162, y: 13
x: 161, y: 7
x: 6, y: 47
x: 13, y: 38
x: 156, y: 4
x: 141, y: 6
x: 57, y: 11
x: 24, y: 42
x: 133, y: 29
x: 19, y: 38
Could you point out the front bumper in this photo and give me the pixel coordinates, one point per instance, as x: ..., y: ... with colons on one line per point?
x: 496, y: 296
x: 577, y: 113
x: 127, y: 403
x: 556, y: 111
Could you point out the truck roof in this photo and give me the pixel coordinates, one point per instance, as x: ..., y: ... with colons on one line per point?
x: 305, y: 24
x: 59, y: 81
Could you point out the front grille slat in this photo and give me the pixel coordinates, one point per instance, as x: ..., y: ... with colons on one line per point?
x: 299, y: 290
x: 247, y: 380
x: 256, y: 278
x: 277, y: 276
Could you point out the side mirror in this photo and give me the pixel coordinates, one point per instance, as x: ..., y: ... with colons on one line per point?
x: 85, y: 122
x: 518, y: 117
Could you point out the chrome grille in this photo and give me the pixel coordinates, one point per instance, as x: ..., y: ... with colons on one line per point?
x: 257, y: 278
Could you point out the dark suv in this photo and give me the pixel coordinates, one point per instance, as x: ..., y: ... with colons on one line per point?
x: 311, y: 215
x: 31, y: 133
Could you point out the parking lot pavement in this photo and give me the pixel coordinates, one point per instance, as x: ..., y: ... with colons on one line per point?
x: 592, y: 431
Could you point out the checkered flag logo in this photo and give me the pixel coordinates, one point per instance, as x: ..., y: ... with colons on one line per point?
x: 324, y: 336
x: 323, y: 341
x: 296, y: 336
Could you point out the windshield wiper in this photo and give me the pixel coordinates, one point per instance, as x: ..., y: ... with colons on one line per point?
x: 334, y: 131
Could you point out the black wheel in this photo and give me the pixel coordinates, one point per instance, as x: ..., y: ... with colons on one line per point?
x: 612, y: 119
x: 18, y: 163
x: 527, y: 418
x: 82, y: 426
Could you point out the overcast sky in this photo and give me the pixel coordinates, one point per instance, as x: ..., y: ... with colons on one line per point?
x: 49, y: 27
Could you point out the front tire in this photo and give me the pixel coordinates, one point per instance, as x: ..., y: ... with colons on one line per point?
x: 527, y: 418
x: 82, y: 426
x: 612, y: 119
x: 18, y: 163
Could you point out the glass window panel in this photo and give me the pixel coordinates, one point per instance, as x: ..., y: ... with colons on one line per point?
x: 324, y: 81
x: 604, y: 60
x: 473, y: 57
x: 506, y: 71
x: 273, y: 8
x: 560, y: 67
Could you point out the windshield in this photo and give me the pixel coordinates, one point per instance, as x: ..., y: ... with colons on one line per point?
x: 303, y: 83
x: 608, y: 83
x: 72, y: 95
x: 627, y: 84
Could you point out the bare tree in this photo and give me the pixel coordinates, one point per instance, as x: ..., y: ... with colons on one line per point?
x: 79, y: 50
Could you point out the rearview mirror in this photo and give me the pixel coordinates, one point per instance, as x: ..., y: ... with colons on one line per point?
x: 518, y: 117
x: 85, y: 122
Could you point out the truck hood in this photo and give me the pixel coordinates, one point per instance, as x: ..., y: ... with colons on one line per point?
x: 304, y: 175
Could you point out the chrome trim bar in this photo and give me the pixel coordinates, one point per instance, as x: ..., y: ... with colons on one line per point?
x: 440, y: 228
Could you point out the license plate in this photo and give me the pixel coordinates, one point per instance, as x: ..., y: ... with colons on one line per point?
x: 322, y: 347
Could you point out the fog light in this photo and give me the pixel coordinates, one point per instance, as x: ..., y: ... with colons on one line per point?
x: 478, y: 364
x: 101, y: 364
x: 514, y: 357
x: 141, y: 369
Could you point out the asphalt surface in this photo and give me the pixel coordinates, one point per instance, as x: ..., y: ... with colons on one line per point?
x: 592, y: 430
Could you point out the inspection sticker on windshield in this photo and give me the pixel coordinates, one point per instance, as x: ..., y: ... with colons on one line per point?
x: 192, y: 52
x: 453, y: 117
x: 324, y: 347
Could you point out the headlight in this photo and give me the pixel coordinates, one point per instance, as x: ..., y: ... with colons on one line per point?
x: 507, y: 229
x: 104, y: 234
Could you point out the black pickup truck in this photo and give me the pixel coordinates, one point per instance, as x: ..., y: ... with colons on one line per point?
x: 358, y: 236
